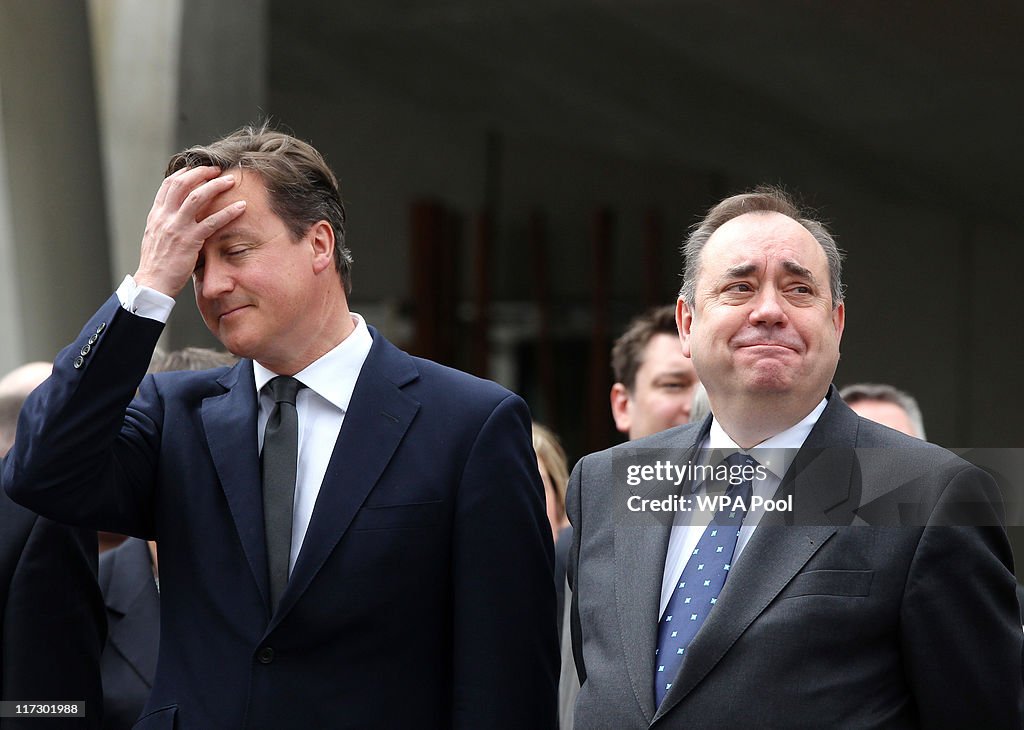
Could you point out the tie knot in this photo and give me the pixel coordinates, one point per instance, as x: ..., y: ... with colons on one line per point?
x: 284, y: 388
x: 741, y: 473
x: 738, y: 461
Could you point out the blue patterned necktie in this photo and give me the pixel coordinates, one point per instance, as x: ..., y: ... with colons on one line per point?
x: 700, y: 583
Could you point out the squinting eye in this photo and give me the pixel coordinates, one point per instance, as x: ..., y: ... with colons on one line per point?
x: 740, y: 287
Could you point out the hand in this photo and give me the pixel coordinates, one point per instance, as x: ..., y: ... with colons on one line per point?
x: 174, y: 233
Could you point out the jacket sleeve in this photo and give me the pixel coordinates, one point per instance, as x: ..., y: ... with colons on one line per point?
x: 505, y: 648
x: 81, y: 455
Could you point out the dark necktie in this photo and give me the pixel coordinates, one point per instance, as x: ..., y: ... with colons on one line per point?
x: 700, y: 583
x: 278, y: 464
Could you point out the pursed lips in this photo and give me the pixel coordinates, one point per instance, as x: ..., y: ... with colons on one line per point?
x: 776, y: 345
x: 232, y: 310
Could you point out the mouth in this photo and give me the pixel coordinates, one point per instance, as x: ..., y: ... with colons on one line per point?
x: 769, y: 346
x: 228, y: 313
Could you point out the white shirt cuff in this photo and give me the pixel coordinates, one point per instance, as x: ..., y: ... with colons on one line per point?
x: 143, y: 301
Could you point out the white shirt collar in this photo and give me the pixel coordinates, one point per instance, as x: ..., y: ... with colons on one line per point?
x: 775, y: 453
x: 332, y: 376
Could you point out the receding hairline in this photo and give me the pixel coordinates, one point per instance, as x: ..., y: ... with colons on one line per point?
x: 790, y: 264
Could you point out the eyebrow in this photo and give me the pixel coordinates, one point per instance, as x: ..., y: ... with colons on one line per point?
x: 789, y: 265
x: 739, y: 270
x: 237, y: 232
x: 798, y: 270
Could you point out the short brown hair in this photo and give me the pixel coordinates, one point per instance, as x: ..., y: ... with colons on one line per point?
x: 763, y: 199
x: 302, y: 188
x: 628, y: 350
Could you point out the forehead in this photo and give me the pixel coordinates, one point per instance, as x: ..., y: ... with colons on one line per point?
x: 248, y: 186
x: 761, y: 239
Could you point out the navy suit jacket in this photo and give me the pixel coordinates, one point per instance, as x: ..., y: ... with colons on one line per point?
x: 51, y: 617
x: 128, y: 664
x: 422, y: 595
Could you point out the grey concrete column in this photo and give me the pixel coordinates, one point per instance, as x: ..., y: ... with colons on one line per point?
x: 136, y: 47
x: 10, y: 303
x: 52, y: 216
x: 173, y: 74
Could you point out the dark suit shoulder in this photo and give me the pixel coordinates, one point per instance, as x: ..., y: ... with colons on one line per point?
x: 679, y: 437
x: 900, y: 448
x: 431, y: 383
x: 468, y: 386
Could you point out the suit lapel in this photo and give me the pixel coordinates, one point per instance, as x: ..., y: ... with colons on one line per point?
x: 378, y: 417
x: 230, y: 423
x: 132, y: 595
x: 638, y: 580
x: 820, y: 479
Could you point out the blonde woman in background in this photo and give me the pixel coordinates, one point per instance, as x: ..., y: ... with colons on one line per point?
x: 554, y: 471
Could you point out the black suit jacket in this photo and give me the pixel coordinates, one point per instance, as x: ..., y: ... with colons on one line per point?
x: 830, y: 621
x: 133, y: 619
x: 423, y: 593
x: 51, y: 616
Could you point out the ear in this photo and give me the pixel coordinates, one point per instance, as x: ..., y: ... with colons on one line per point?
x: 620, y: 408
x: 839, y: 320
x: 321, y: 240
x: 684, y: 321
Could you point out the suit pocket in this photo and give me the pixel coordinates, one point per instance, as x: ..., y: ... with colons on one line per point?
x: 399, y: 516
x: 829, y: 583
x: 163, y: 719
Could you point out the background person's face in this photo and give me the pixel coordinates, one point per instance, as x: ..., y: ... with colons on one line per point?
x: 662, y: 393
x: 763, y: 321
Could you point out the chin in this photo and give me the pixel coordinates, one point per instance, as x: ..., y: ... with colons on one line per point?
x: 771, y: 380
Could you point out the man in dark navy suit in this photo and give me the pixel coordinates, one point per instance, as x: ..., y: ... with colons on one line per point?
x: 401, y: 579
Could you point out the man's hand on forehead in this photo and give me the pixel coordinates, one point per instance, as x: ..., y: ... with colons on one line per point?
x: 178, y: 225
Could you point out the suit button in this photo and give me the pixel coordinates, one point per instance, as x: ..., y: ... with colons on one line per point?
x: 92, y: 338
x: 79, y: 361
x: 100, y: 327
x: 86, y: 348
x: 265, y: 655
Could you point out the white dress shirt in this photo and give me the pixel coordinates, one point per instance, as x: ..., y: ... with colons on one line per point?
x: 775, y: 454
x: 321, y: 405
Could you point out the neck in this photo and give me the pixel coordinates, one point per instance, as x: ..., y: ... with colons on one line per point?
x: 330, y: 324
x: 751, y: 421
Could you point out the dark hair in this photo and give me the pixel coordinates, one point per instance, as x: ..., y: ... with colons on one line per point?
x: 763, y: 199
x: 628, y: 350
x: 301, y: 187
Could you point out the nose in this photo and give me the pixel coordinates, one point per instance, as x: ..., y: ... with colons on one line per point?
x: 768, y: 307
x: 213, y: 280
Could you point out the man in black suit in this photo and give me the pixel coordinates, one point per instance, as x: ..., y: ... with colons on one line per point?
x: 388, y: 564
x: 51, y: 614
x: 814, y: 615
